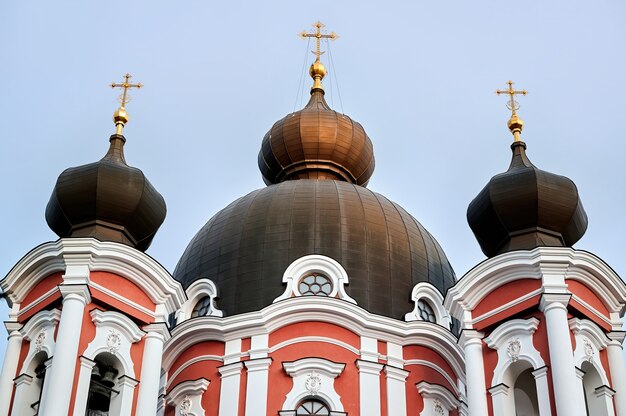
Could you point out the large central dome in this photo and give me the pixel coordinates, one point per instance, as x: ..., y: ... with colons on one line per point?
x: 246, y: 247
x: 316, y: 163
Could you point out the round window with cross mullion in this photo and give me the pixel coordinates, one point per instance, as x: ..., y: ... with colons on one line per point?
x: 312, y: 407
x: 315, y: 284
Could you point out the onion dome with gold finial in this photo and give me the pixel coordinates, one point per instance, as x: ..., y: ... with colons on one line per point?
x: 108, y: 199
x: 317, y: 142
x: 315, y: 163
x: 525, y: 207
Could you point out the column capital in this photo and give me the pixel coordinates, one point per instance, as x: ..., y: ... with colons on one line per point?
x: 128, y: 381
x: 604, y: 391
x: 471, y: 336
x: 396, y: 373
x: 13, y: 328
x: 554, y: 300
x: 23, y: 379
x: 540, y: 372
x: 229, y: 370
x: 257, y: 364
x: 158, y: 330
x: 499, y: 389
x: 369, y: 367
x: 616, y: 337
x: 79, y: 292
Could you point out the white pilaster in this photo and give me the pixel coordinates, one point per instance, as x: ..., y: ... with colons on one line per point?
x: 82, y: 390
x: 543, y: 392
x: 256, y: 390
x: 472, y: 344
x: 229, y: 391
x: 396, y: 390
x: 9, y: 366
x: 60, y: 377
x: 369, y: 387
x: 501, y: 400
x: 605, y: 394
x: 618, y: 370
x: 20, y: 401
x: 147, y: 400
x: 564, y: 379
x: 124, y: 404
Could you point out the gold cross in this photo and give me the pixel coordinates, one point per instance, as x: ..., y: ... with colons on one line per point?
x: 318, y: 35
x: 120, y: 117
x: 512, y: 104
x: 125, y: 85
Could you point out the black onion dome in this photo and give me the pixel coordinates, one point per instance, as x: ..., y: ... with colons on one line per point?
x: 316, y: 143
x: 526, y: 207
x: 246, y: 247
x: 108, y: 200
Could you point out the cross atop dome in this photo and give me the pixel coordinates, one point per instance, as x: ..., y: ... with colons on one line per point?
x: 120, y: 117
x: 515, y: 123
x: 318, y: 70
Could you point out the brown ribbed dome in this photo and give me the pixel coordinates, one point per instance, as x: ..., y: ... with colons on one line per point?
x: 316, y: 143
x: 526, y: 207
x: 108, y: 200
x: 245, y: 248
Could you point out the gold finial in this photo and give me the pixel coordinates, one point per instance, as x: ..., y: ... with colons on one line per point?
x: 317, y: 70
x: 515, y: 123
x: 120, y: 117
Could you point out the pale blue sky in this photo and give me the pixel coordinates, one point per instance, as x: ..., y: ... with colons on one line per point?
x: 420, y: 76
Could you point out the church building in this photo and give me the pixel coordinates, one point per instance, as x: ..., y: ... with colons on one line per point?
x: 314, y: 295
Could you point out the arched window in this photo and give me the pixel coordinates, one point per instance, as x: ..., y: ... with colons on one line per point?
x: 312, y: 407
x: 102, y: 388
x: 525, y: 392
x: 426, y: 311
x: 592, y: 383
x: 203, y: 307
x: 315, y: 284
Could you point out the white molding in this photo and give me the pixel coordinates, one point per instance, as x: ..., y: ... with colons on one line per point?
x: 115, y: 333
x: 197, y: 291
x: 186, y: 397
x: 124, y: 300
x: 590, y: 340
x: 513, y: 340
x: 315, y: 263
x: 77, y: 257
x: 40, y: 330
x: 434, y: 298
x: 504, y: 307
x: 436, y: 397
x: 553, y: 265
x: 230, y: 388
x: 190, y: 362
x: 318, y: 309
x: 36, y: 303
x: 313, y: 377
x: 613, y: 323
x: 326, y: 340
x: 438, y: 369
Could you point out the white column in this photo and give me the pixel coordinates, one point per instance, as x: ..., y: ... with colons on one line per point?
x: 369, y: 387
x: 256, y: 390
x: 60, y: 377
x: 396, y: 390
x: 123, y: 404
x: 229, y: 391
x: 82, y: 390
x: 471, y: 341
x: 147, y: 400
x: 580, y: 395
x: 9, y: 367
x: 618, y: 370
x: 564, y: 379
x: 543, y: 393
x: 20, y: 401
